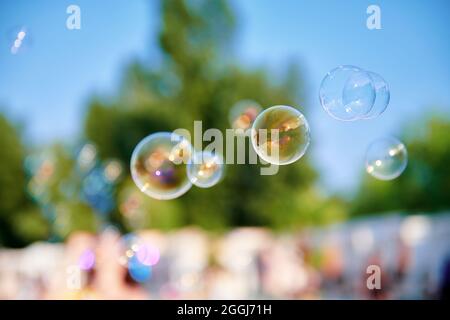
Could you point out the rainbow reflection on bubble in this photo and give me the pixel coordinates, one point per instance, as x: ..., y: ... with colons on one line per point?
x: 280, y: 135
x: 158, y: 165
x: 205, y: 169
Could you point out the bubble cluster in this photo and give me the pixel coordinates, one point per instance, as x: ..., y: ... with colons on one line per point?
x: 350, y: 93
x: 386, y: 158
x: 158, y: 165
x: 205, y: 169
x: 243, y: 114
x: 280, y: 135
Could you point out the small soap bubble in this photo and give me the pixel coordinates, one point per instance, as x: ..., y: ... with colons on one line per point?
x: 386, y: 158
x: 205, y: 169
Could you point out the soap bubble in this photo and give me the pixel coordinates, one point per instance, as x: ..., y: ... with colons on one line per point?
x: 158, y: 165
x: 205, y: 169
x: 347, y: 93
x: 386, y: 158
x: 243, y: 114
x: 382, y: 96
x: 280, y: 135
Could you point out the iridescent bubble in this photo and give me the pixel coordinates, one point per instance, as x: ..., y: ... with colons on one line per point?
x: 280, y: 135
x: 347, y: 93
x: 205, y: 169
x: 243, y: 114
x: 158, y: 165
x: 382, y: 96
x: 386, y: 158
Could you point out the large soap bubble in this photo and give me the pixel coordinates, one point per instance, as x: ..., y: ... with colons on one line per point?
x: 158, y: 165
x: 280, y: 135
x: 386, y: 158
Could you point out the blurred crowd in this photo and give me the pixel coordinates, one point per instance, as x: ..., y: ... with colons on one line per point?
x: 412, y: 253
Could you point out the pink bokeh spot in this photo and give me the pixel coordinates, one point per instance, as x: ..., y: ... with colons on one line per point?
x: 148, y: 254
x: 86, y: 260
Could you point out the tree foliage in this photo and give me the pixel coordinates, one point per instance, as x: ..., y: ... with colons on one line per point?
x: 197, y: 81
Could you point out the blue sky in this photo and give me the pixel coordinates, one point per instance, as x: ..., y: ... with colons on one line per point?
x: 47, y: 85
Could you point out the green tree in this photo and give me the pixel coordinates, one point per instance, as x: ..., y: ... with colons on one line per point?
x: 20, y: 222
x: 425, y: 184
x: 198, y: 81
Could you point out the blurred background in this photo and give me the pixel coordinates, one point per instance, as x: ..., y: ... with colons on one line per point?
x: 74, y: 104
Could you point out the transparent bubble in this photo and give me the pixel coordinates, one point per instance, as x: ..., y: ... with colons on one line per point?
x: 243, y: 114
x: 205, y: 169
x: 347, y: 93
x: 382, y: 96
x: 158, y: 165
x: 386, y: 158
x: 280, y: 135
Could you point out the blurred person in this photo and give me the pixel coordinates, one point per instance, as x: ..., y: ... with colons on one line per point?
x: 112, y: 279
x: 69, y: 268
x: 332, y: 270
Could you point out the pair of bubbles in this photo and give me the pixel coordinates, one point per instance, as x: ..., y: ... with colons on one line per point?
x: 164, y: 165
x: 349, y: 93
